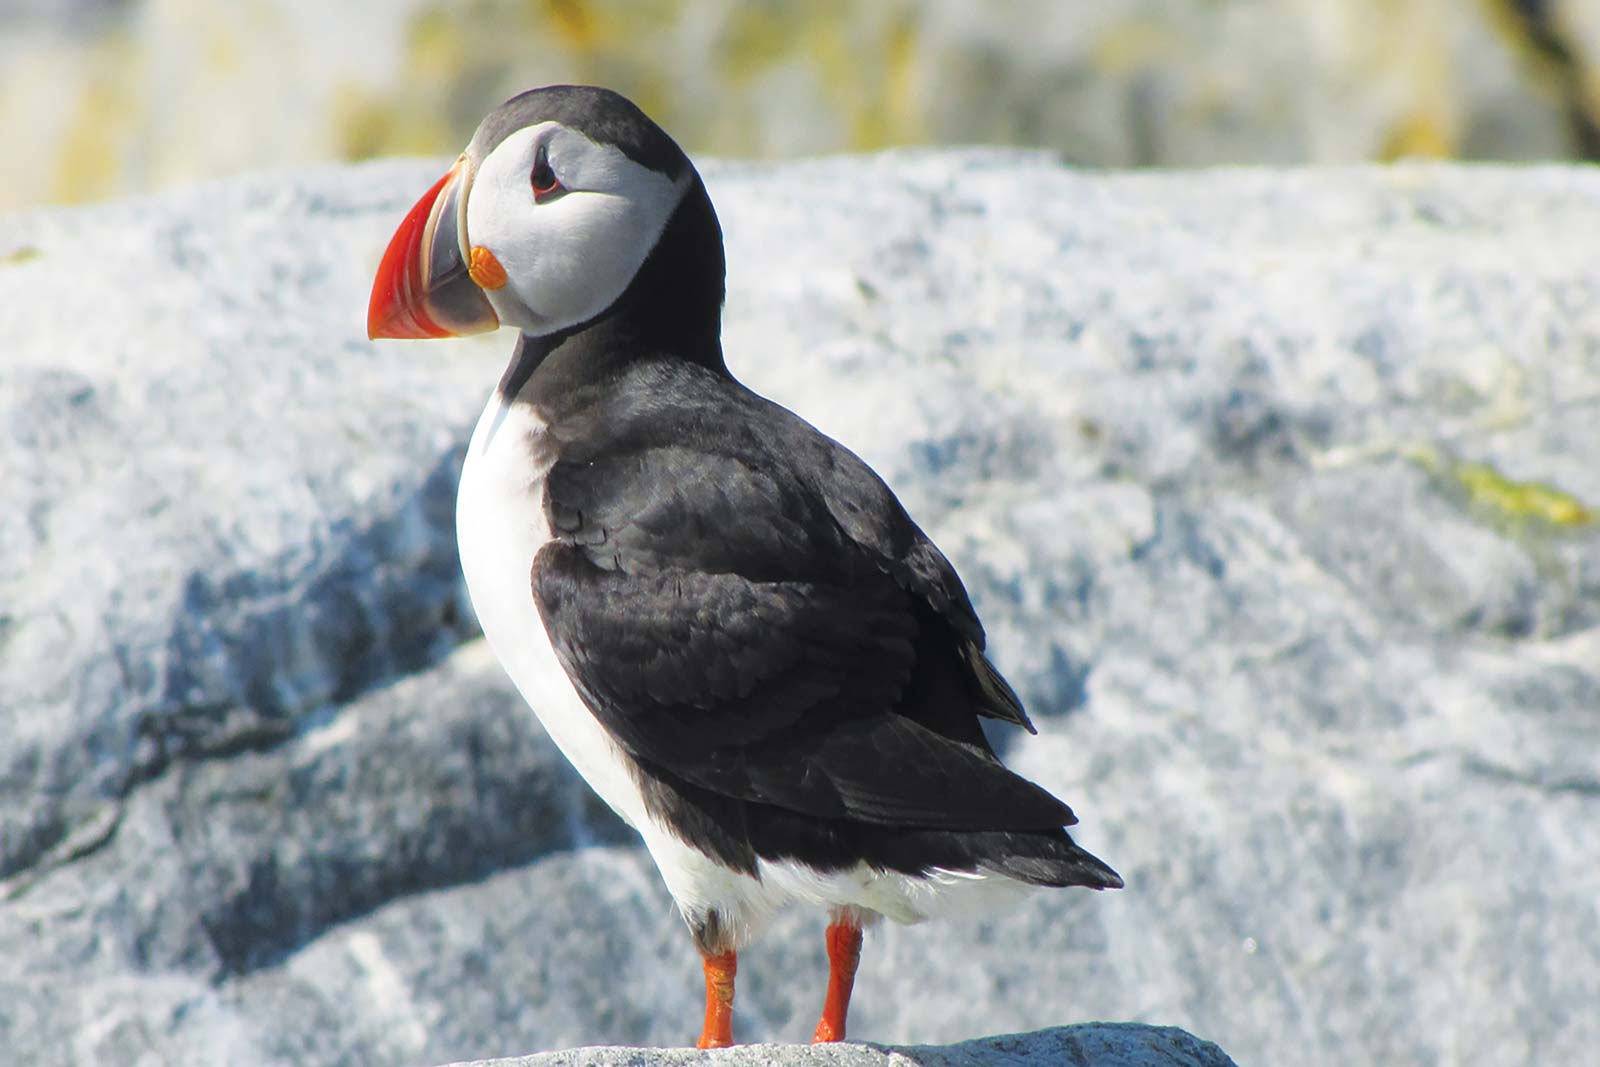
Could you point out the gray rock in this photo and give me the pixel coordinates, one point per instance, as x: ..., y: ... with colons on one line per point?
x: 1274, y: 489
x: 1089, y: 1044
x: 227, y: 512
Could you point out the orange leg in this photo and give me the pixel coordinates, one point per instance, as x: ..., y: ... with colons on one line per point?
x: 718, y: 1029
x: 844, y: 953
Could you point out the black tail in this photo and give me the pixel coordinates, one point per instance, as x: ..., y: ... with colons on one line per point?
x: 1038, y: 857
x: 1043, y: 857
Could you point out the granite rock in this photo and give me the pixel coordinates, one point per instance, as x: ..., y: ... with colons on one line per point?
x: 227, y: 512
x: 1273, y: 488
x: 1089, y: 1044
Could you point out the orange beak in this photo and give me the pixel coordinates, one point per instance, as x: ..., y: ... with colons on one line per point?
x: 424, y: 287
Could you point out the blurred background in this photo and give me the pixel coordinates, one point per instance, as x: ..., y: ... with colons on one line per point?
x: 100, y: 98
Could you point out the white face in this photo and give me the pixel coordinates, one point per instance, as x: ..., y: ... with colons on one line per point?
x: 569, y: 256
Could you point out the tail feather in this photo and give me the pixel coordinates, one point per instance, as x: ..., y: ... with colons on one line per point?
x: 1034, y: 857
x: 1047, y: 859
x: 997, y: 700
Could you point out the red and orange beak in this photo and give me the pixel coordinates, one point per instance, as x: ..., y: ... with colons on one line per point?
x: 425, y: 285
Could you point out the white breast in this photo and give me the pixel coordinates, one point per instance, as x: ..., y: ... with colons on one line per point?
x: 500, y: 525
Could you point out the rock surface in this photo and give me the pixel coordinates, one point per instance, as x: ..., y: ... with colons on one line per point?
x: 1273, y: 488
x: 1088, y: 1044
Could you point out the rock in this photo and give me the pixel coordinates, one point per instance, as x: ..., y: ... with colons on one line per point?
x: 1273, y: 488
x: 132, y: 95
x: 227, y: 513
x: 1090, y: 1044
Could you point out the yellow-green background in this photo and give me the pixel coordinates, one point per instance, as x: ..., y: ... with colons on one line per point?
x: 104, y: 97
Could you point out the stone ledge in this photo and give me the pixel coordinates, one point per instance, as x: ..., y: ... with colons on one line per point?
x: 1082, y: 1045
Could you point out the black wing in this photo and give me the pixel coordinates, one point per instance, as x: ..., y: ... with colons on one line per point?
x: 753, y: 611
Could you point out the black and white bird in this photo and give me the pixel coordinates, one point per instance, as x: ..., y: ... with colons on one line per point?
x: 724, y: 618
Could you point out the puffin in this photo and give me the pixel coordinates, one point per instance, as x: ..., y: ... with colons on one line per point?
x: 722, y: 617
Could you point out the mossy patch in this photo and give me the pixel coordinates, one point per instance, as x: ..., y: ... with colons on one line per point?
x: 22, y: 254
x: 1507, y: 501
x: 1487, y: 487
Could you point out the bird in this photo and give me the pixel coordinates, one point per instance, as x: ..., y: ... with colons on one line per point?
x: 724, y: 618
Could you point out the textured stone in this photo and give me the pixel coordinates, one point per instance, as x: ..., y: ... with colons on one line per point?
x: 227, y: 512
x: 1088, y: 1044
x: 1274, y: 489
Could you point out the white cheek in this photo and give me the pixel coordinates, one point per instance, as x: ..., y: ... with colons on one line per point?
x: 575, y: 256
x: 571, y: 257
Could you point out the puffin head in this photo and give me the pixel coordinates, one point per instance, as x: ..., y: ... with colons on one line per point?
x: 543, y: 223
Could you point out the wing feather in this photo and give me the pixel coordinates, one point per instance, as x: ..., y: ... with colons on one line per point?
x: 759, y: 616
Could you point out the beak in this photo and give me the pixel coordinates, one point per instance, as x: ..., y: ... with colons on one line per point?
x: 423, y: 288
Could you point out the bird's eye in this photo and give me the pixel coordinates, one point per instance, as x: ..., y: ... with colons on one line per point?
x: 545, y: 183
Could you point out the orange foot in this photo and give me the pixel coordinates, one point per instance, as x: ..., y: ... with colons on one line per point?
x: 718, y: 1029
x: 844, y: 953
x: 826, y: 1033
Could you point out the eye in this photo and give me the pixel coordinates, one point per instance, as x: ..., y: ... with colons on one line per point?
x: 545, y: 183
